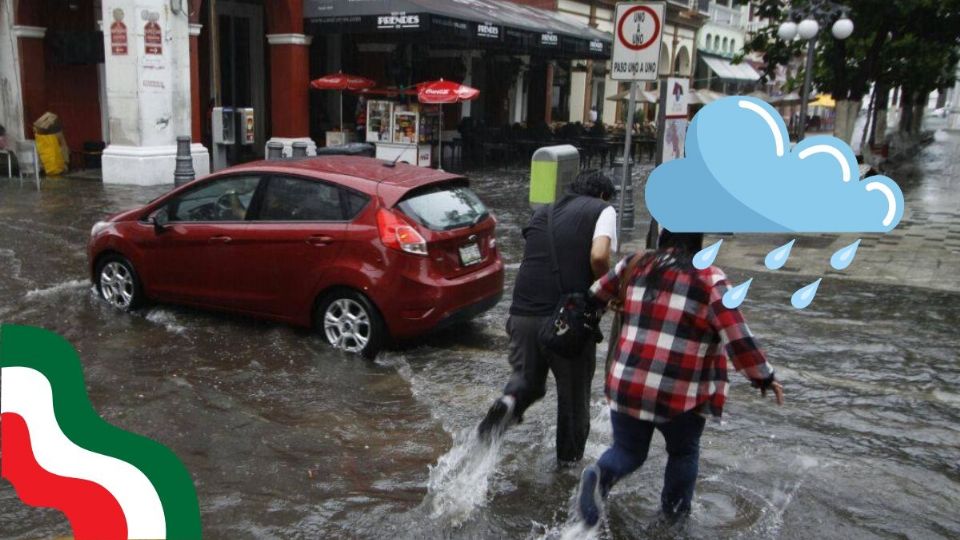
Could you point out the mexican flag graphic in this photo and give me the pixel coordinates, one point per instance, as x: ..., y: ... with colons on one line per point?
x: 58, y: 453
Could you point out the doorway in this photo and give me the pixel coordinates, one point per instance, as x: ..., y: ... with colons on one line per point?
x: 242, y: 70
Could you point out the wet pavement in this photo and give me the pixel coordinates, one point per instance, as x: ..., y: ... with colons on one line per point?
x: 288, y: 439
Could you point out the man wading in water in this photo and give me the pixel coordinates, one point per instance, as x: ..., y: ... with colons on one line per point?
x: 669, y: 368
x: 584, y: 234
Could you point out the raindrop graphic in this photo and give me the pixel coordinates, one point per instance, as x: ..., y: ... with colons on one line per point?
x: 778, y: 257
x: 804, y: 296
x: 736, y: 295
x: 844, y: 256
x: 705, y: 257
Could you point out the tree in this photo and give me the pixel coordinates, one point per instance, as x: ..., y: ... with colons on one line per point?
x: 896, y: 43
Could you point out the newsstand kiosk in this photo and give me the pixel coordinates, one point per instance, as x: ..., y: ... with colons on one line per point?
x: 404, y: 133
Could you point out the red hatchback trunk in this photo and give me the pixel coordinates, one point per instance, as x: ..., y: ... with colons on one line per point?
x: 360, y: 249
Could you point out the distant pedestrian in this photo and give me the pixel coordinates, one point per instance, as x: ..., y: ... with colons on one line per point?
x: 585, y: 233
x: 669, y: 369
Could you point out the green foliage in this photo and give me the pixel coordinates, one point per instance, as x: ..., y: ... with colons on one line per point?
x: 907, y: 43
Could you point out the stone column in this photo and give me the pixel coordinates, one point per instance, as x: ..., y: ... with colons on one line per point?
x: 148, y: 92
x: 289, y: 84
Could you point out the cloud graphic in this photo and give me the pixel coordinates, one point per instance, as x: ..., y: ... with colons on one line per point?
x: 740, y: 175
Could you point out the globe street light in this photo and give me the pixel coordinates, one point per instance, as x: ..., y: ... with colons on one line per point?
x: 813, y: 16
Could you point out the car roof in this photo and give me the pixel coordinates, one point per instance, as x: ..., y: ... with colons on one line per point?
x: 372, y: 176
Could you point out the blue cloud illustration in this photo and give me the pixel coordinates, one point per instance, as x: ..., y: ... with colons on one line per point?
x: 740, y: 175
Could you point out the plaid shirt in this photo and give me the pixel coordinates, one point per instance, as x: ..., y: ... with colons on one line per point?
x: 671, y: 355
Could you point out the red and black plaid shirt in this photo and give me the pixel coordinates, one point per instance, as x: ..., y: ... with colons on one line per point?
x: 671, y: 356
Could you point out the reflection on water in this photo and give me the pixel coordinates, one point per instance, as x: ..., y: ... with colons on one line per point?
x: 288, y: 439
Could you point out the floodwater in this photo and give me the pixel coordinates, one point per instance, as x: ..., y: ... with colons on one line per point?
x: 288, y: 439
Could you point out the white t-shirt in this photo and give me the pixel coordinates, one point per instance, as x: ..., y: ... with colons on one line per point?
x: 607, y: 226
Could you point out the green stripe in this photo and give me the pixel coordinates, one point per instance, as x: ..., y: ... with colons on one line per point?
x: 55, y: 358
x: 543, y: 182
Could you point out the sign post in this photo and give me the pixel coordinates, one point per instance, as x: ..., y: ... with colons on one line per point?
x: 638, y: 32
x: 672, y: 132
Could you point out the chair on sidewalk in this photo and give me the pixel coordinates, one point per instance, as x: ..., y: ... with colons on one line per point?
x: 27, y: 160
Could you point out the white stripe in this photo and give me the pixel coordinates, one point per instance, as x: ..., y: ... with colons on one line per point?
x: 771, y: 123
x: 27, y: 392
x: 827, y: 149
x: 891, y: 201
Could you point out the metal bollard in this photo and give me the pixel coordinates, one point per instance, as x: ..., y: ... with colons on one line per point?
x: 183, y: 173
x: 274, y: 150
x: 300, y: 149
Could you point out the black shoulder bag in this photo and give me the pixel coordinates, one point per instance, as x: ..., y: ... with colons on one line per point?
x: 574, y: 321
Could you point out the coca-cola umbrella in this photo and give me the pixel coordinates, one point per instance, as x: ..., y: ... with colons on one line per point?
x: 341, y: 81
x: 442, y: 92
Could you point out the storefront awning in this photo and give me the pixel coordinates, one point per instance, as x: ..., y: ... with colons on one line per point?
x: 469, y: 23
x: 729, y: 71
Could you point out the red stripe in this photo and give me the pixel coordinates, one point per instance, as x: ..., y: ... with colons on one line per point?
x: 92, y: 511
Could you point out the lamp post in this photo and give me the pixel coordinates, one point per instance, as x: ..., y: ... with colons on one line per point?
x: 806, y: 22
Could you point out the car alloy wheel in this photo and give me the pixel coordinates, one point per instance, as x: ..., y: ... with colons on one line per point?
x: 347, y: 325
x: 117, y: 285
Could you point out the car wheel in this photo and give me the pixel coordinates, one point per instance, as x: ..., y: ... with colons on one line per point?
x: 118, y: 283
x: 351, y: 323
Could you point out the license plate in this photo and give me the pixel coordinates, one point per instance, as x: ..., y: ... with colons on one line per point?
x: 470, y: 254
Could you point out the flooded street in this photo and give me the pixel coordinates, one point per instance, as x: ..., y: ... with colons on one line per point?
x: 286, y: 438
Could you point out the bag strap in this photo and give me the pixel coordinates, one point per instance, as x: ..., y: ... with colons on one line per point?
x: 627, y: 277
x: 554, y: 265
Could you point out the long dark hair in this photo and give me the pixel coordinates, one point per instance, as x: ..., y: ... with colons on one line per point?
x: 674, y: 251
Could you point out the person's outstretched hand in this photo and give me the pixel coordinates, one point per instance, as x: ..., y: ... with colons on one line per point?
x: 777, y: 391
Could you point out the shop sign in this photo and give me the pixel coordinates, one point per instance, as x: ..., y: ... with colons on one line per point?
x: 596, y: 46
x: 153, y: 36
x: 550, y: 39
x: 118, y: 34
x: 487, y: 30
x: 396, y: 21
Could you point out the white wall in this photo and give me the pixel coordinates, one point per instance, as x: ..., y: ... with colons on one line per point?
x: 11, y: 102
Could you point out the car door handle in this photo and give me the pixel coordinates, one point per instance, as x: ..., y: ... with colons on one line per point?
x: 220, y: 239
x: 319, y: 240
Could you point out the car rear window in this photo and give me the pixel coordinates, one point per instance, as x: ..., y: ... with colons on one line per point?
x: 442, y: 208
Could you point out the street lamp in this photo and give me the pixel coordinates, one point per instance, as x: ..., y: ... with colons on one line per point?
x: 813, y: 16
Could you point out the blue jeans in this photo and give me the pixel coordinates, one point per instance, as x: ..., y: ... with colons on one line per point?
x: 631, y: 442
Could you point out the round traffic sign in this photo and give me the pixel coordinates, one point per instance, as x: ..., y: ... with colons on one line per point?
x: 638, y: 35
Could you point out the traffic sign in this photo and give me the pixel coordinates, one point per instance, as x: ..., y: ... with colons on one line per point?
x: 638, y: 33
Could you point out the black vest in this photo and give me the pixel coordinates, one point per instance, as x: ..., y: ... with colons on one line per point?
x: 535, y: 291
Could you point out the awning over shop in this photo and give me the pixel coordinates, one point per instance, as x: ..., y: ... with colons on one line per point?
x: 472, y: 24
x: 730, y: 71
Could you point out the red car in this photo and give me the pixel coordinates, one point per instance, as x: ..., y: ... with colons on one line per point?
x: 360, y: 249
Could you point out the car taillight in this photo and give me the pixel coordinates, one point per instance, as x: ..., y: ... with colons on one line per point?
x: 398, y: 233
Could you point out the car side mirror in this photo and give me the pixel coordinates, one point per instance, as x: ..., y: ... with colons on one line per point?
x: 160, y: 221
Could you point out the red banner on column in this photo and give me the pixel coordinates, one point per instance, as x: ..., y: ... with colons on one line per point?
x: 118, y: 39
x: 153, y: 38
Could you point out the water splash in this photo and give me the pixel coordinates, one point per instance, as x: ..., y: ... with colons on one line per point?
x: 805, y: 295
x: 778, y: 257
x: 844, y: 256
x: 736, y: 295
x: 458, y: 483
x: 705, y: 257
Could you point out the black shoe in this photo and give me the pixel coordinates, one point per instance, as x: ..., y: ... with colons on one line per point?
x: 588, y: 495
x: 497, y: 419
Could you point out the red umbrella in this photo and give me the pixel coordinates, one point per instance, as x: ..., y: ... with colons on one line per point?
x: 341, y: 81
x: 441, y: 92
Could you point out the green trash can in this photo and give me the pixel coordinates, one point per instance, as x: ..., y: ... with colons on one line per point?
x: 552, y: 170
